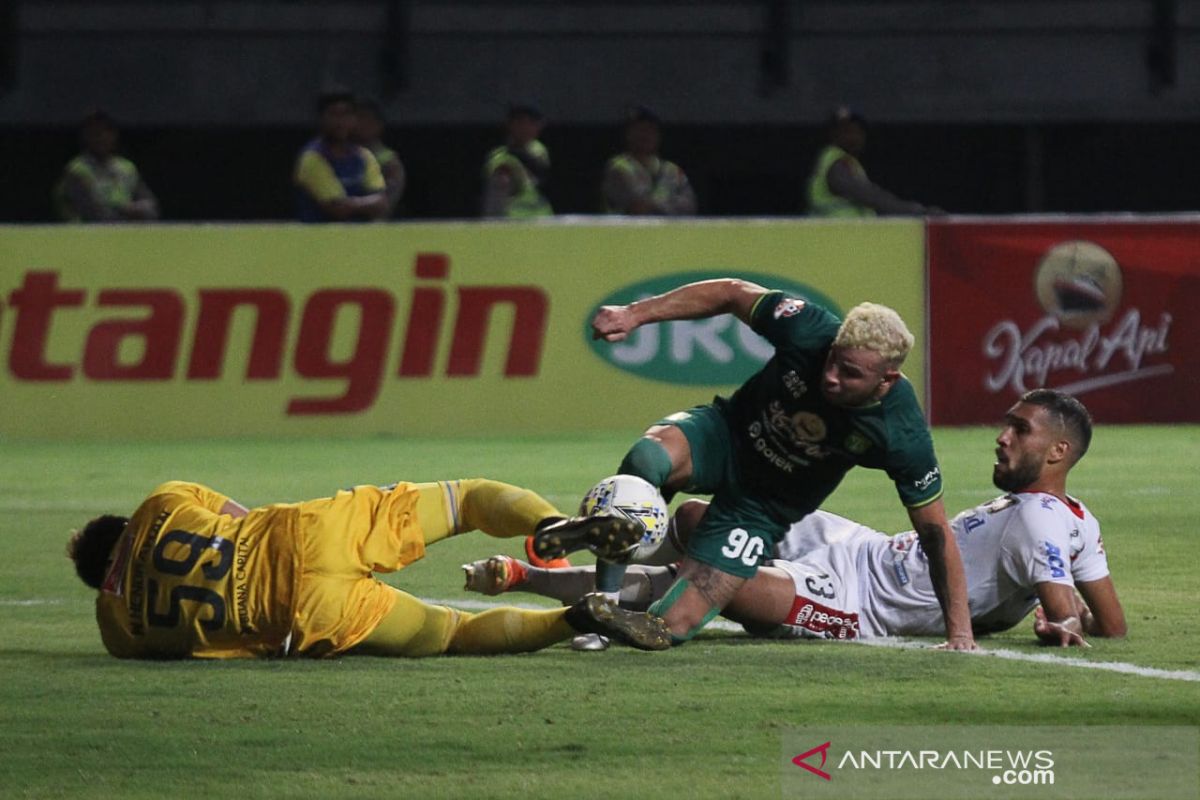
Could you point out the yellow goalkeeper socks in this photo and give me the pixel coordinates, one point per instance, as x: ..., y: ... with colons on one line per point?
x: 509, y: 630
x: 498, y: 509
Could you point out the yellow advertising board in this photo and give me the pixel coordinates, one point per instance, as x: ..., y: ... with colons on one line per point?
x: 430, y: 329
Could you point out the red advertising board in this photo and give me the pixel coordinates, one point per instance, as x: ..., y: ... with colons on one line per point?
x: 1107, y: 309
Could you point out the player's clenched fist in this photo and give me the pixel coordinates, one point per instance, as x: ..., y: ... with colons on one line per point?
x: 613, y: 323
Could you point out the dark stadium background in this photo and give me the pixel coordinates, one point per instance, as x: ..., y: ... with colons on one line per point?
x: 983, y: 107
x: 968, y: 169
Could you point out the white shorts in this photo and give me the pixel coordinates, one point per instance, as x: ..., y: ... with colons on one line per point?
x: 819, y: 529
x: 827, y: 604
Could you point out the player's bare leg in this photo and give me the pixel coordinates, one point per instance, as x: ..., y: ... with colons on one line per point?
x: 700, y: 593
x: 670, y: 476
x: 764, y: 601
x: 499, y: 574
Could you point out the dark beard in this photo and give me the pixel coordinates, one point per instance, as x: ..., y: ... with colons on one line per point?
x: 1018, y: 476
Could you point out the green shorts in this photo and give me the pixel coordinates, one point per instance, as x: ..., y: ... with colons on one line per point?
x: 739, y: 531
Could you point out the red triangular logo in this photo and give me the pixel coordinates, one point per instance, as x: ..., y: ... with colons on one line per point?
x: 822, y: 749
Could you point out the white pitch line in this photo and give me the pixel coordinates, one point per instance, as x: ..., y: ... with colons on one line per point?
x: 1046, y: 658
x: 906, y: 644
x: 893, y: 643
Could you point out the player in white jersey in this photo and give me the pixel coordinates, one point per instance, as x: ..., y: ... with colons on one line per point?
x: 1009, y: 546
x: 834, y: 578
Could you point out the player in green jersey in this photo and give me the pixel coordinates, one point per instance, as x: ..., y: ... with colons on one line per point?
x: 831, y: 397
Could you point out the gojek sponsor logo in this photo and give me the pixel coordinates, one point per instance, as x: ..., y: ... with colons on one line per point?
x: 714, y: 351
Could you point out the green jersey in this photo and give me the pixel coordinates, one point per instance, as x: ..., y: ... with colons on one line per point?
x: 793, y: 447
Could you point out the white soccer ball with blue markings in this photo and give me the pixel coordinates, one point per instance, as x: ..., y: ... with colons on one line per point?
x: 633, y: 498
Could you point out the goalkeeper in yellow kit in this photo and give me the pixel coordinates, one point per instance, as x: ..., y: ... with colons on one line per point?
x: 194, y: 574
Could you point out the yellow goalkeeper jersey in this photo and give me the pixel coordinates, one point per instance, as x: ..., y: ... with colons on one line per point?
x: 186, y: 580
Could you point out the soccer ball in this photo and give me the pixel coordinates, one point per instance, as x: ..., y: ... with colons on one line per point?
x: 633, y: 498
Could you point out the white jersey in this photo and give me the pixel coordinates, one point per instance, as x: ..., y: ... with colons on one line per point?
x: 879, y: 585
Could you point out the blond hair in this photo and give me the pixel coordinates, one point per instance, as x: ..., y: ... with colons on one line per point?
x: 871, y: 326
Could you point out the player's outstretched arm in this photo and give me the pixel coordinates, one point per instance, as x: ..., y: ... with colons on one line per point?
x: 946, y: 572
x: 1103, y: 615
x: 1056, y: 621
x: 691, y: 301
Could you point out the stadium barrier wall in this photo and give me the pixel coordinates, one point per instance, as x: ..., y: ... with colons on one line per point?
x: 1103, y: 308
x: 174, y: 331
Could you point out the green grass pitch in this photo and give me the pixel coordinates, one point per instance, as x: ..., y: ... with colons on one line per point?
x: 705, y: 719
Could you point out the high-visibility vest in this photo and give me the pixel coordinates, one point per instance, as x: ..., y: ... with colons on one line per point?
x: 822, y: 202
x: 661, y: 182
x: 528, y: 200
x: 113, y: 186
x: 384, y: 155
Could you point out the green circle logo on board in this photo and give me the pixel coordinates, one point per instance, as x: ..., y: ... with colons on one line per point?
x: 718, y: 350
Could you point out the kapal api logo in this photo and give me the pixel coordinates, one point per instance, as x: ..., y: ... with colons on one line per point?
x: 1078, y: 283
x: 1082, y: 343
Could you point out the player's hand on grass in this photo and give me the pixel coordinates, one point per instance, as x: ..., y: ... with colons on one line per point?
x: 613, y: 323
x: 1064, y: 633
x: 958, y: 643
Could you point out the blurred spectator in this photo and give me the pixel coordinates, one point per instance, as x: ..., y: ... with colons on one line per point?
x: 515, y: 174
x: 368, y: 131
x: 638, y: 181
x: 839, y: 186
x: 337, y: 179
x: 100, y: 186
